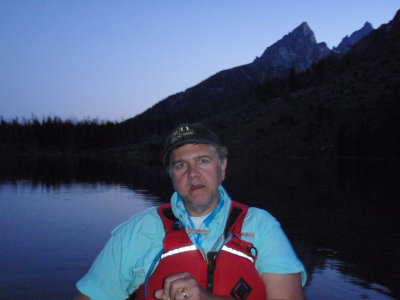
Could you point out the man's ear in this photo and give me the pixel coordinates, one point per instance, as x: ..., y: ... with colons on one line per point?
x: 223, y: 167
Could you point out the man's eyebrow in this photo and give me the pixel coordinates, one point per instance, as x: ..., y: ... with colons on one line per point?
x: 196, y: 157
x: 204, y: 156
x: 174, y: 162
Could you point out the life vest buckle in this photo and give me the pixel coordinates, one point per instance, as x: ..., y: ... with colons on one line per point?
x: 253, y: 251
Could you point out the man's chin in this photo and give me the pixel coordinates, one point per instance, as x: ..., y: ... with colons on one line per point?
x: 199, y: 206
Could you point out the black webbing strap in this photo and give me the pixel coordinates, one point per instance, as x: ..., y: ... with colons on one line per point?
x: 236, y: 211
x: 170, y: 215
x: 211, y: 265
x: 212, y: 256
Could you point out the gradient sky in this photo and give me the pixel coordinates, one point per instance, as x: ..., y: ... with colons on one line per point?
x: 111, y: 60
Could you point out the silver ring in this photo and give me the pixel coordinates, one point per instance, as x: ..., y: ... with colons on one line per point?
x: 183, y: 292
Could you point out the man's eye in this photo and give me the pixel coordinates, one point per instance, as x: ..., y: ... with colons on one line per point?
x: 179, y: 165
x: 204, y: 161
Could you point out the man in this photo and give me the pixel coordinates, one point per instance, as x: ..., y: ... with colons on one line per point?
x: 201, y: 246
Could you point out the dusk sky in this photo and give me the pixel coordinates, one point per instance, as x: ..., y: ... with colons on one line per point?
x: 111, y: 60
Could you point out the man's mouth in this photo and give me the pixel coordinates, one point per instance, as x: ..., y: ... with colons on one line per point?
x: 195, y: 187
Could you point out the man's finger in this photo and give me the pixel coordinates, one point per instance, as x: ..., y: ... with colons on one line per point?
x: 172, y: 282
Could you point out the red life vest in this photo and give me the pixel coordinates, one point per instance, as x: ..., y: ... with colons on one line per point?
x: 230, y: 272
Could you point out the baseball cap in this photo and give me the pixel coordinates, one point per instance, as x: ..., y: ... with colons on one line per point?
x: 188, y: 133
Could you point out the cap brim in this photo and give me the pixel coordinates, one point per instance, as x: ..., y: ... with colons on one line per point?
x: 184, y: 142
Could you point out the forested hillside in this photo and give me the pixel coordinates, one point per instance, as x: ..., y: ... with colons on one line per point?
x: 343, y: 105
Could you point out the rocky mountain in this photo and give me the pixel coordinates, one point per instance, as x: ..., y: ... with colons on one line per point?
x: 342, y: 105
x: 296, y: 51
x: 345, y: 105
x: 348, y: 42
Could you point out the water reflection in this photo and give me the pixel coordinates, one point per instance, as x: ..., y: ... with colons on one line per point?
x: 50, y: 234
x: 329, y: 282
x: 338, y: 214
x: 350, y: 206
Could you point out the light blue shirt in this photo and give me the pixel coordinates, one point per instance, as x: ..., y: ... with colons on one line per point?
x: 122, y: 265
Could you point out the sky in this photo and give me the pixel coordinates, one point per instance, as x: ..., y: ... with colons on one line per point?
x: 111, y: 60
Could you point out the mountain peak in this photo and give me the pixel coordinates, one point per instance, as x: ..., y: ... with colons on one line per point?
x: 367, y: 26
x: 297, y: 49
x: 349, y: 41
x: 396, y: 20
x: 303, y: 30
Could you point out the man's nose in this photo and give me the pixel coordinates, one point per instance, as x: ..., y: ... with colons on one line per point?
x: 193, y: 170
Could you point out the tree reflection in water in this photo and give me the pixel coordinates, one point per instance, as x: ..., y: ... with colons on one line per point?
x: 339, y: 214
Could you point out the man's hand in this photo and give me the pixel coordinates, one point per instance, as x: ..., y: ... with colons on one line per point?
x: 182, y: 286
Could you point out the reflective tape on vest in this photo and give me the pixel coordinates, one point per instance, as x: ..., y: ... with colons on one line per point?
x: 178, y: 251
x: 238, y: 253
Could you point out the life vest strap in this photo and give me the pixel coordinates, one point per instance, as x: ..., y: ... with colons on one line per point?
x: 179, y: 251
x: 235, y: 213
x: 236, y: 252
x: 211, y: 265
x: 167, y: 212
x: 212, y: 256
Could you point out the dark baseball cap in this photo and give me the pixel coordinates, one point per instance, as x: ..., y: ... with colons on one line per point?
x: 188, y: 133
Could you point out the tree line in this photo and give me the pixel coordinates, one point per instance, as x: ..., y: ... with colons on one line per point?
x: 55, y: 134
x: 350, y: 102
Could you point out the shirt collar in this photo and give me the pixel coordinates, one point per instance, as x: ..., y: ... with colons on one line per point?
x: 215, y: 219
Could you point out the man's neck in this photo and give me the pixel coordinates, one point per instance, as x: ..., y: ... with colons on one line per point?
x: 198, y: 221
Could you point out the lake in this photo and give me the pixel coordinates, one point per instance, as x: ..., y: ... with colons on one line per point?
x: 56, y: 214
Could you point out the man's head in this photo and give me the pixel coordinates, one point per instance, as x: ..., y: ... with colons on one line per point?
x: 196, y: 162
x: 192, y: 133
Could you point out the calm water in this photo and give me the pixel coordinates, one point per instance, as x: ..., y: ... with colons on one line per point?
x: 49, y: 236
x: 51, y: 230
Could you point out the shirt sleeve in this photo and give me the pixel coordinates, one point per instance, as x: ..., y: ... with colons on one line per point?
x: 275, y: 252
x: 122, y: 265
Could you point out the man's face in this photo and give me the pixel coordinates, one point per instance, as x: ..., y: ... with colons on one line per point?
x: 196, y: 175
